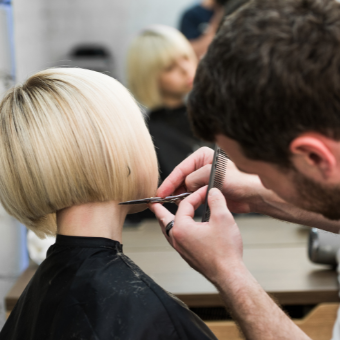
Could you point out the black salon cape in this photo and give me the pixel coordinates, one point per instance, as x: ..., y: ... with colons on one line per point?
x: 87, y: 289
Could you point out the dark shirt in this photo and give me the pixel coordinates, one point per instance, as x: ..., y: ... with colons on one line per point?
x: 172, y: 136
x: 88, y: 289
x: 195, y: 21
x: 174, y: 141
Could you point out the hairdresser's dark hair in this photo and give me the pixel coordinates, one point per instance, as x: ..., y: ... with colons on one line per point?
x: 272, y: 73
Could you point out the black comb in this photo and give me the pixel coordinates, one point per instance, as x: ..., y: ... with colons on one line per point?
x: 217, y: 175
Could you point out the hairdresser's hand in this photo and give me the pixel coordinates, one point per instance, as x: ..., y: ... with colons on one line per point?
x: 215, y: 250
x: 207, y: 247
x: 242, y: 191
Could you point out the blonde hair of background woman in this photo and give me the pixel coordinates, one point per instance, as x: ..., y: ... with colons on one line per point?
x: 152, y: 51
x: 69, y: 137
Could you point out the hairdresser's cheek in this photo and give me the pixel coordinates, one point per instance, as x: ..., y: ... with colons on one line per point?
x: 277, y: 186
x: 265, y: 183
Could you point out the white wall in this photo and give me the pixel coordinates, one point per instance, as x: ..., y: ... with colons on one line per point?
x: 30, y: 37
x: 6, y: 65
x: 46, y: 30
x: 13, y: 257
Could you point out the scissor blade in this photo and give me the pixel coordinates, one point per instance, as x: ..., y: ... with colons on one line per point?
x: 142, y: 201
x: 169, y: 199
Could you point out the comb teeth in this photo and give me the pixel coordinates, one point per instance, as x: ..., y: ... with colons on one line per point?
x: 217, y: 176
x: 221, y: 168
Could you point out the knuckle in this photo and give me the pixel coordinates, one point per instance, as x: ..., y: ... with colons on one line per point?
x: 208, y: 153
x: 190, y: 180
x: 215, y: 200
x: 176, y: 233
x: 206, y: 150
x: 220, y: 215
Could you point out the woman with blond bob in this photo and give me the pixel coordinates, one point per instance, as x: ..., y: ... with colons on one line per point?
x: 161, y: 66
x: 73, y: 144
x: 160, y: 71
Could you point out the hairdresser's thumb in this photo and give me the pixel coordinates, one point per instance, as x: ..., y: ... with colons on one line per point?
x: 219, y: 212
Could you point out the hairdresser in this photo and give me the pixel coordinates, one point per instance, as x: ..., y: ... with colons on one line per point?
x: 267, y: 92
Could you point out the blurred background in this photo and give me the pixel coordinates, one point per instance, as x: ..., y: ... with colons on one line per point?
x: 47, y: 31
x: 39, y: 34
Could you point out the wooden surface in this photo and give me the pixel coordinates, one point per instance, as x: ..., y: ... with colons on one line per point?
x: 15, y: 292
x: 318, y: 324
x: 275, y: 253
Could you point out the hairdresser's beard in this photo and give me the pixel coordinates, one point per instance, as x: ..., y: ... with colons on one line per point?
x: 318, y: 198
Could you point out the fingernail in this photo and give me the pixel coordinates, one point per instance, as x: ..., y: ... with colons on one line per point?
x: 213, y: 192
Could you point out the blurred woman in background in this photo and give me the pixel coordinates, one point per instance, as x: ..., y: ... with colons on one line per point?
x: 161, y: 67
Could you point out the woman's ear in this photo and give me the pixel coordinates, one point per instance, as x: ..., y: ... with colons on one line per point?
x: 314, y: 156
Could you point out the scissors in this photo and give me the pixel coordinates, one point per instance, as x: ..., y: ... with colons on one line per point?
x: 168, y: 199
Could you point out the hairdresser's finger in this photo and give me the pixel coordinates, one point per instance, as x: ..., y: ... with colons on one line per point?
x: 177, y: 178
x: 198, y: 178
x: 187, y: 207
x: 180, y: 190
x: 195, y: 180
x: 219, y: 212
x: 164, y: 217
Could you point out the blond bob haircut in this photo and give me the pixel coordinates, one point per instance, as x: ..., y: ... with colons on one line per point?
x: 150, y: 53
x: 70, y: 137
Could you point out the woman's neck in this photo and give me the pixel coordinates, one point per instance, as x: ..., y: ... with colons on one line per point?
x: 100, y: 219
x: 172, y: 102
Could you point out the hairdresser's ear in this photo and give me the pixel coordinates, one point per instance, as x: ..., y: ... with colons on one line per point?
x: 315, y: 156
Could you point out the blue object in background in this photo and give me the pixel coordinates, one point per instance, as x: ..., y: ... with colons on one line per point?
x: 195, y: 21
x: 13, y: 244
x: 9, y: 69
x: 24, y: 258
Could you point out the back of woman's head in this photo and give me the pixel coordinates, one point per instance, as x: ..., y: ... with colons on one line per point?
x: 150, y: 53
x: 69, y: 137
